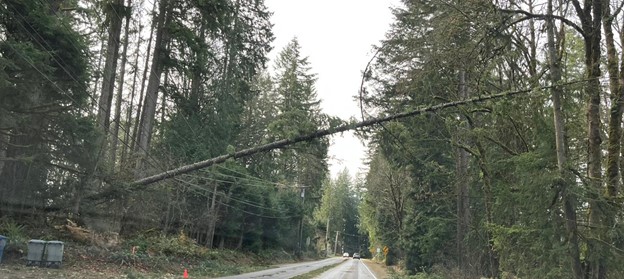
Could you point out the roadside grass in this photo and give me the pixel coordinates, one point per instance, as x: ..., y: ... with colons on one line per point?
x: 436, y: 272
x: 173, y: 254
x: 316, y: 272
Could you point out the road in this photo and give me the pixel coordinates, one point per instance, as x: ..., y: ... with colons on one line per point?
x: 288, y: 271
x: 348, y: 269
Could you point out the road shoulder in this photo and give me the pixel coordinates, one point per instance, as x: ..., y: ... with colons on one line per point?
x: 379, y: 270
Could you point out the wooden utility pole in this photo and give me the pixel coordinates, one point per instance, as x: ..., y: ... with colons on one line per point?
x: 299, y: 250
x: 327, y: 237
x: 336, y: 242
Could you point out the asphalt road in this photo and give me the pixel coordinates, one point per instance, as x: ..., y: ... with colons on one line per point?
x: 290, y: 270
x: 350, y: 269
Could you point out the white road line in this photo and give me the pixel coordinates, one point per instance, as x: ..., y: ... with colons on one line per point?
x: 369, y: 271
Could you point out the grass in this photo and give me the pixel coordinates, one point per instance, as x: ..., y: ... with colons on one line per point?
x: 172, y: 254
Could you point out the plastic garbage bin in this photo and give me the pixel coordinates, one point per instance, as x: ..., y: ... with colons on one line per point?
x: 3, y: 242
x: 36, y: 249
x: 54, y: 254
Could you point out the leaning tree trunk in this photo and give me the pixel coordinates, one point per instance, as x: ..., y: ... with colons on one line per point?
x: 146, y: 69
x: 493, y: 260
x: 614, y: 139
x: 124, y: 59
x: 569, y: 207
x: 212, y: 217
x: 149, y: 108
x: 110, y: 64
x: 128, y: 122
x: 621, y: 101
x: 146, y: 124
x: 463, y: 198
x: 91, y: 183
x: 615, y: 119
x: 591, y: 17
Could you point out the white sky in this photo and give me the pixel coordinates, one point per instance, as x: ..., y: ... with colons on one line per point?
x: 337, y: 36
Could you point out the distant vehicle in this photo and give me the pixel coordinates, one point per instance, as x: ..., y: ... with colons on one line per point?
x: 356, y: 256
x: 345, y: 255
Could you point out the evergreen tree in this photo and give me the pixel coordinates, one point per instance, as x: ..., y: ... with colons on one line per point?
x: 338, y: 213
x: 302, y: 165
x: 298, y: 113
x: 45, y: 137
x: 208, y: 74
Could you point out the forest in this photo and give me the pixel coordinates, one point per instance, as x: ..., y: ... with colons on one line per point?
x: 97, y: 95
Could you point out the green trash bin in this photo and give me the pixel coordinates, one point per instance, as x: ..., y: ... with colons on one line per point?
x: 36, y: 248
x: 3, y: 243
x: 54, y: 254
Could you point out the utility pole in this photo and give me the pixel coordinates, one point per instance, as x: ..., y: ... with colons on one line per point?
x: 336, y: 243
x: 300, y: 238
x: 359, y: 248
x: 327, y: 237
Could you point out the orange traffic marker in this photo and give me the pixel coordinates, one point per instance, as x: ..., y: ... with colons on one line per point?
x: 185, y: 274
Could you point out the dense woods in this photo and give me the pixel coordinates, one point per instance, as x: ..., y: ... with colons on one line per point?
x: 96, y: 94
x: 526, y: 187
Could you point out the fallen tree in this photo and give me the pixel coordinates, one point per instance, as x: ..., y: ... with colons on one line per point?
x: 317, y: 134
x: 143, y: 182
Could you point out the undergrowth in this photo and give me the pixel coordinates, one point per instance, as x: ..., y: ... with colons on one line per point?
x: 17, y: 238
x: 172, y: 253
x: 143, y: 255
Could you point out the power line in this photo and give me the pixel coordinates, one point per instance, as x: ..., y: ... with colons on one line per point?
x: 198, y: 187
x: 234, y: 184
x: 252, y: 178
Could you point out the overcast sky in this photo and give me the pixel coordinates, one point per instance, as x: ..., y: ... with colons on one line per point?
x: 337, y: 36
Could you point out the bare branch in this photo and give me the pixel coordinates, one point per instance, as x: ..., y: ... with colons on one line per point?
x: 501, y: 145
x: 543, y: 16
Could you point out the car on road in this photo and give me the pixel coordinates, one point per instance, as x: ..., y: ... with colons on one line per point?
x: 345, y: 255
x: 356, y: 256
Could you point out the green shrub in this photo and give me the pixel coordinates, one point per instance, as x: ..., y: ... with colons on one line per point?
x: 17, y: 238
x: 421, y: 275
x: 180, y: 246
